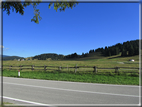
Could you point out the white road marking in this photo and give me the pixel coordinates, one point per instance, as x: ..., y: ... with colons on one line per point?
x: 55, y: 105
x: 74, y: 82
x: 71, y: 90
x: 31, y: 102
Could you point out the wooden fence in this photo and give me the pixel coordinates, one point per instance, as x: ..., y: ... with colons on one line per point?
x: 45, y: 68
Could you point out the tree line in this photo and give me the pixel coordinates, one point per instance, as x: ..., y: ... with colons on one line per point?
x: 129, y: 48
x: 53, y: 56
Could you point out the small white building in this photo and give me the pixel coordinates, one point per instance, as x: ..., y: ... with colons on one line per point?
x: 132, y: 60
x: 18, y: 59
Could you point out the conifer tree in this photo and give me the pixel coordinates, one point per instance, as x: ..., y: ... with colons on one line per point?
x: 131, y: 51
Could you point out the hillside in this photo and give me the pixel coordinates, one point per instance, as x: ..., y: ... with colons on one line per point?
x: 126, y: 49
x: 129, y: 48
x: 5, y: 56
x: 12, y: 58
x: 90, y: 56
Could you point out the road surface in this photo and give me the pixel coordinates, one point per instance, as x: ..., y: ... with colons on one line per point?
x: 55, y: 93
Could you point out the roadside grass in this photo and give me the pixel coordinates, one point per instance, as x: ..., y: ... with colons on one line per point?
x: 89, y: 77
x: 7, y: 104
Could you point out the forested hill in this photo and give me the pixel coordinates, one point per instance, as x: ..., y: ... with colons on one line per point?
x: 128, y: 48
x: 12, y: 57
x: 53, y: 56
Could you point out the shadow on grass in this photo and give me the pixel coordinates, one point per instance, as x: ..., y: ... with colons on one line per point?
x: 116, y: 57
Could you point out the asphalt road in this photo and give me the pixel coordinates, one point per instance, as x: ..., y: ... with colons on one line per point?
x: 56, y: 93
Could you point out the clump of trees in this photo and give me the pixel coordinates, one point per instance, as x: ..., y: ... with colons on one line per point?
x: 54, y: 56
x: 47, y: 56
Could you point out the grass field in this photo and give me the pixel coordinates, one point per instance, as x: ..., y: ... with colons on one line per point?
x: 101, y: 62
x: 82, y: 75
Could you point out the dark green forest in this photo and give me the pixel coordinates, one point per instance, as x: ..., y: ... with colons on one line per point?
x: 53, y: 56
x: 129, y: 48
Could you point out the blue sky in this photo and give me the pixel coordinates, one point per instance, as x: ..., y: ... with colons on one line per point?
x: 86, y: 26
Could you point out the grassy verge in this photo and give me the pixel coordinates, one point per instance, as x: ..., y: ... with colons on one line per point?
x: 4, y: 103
x: 108, y: 78
x: 7, y: 104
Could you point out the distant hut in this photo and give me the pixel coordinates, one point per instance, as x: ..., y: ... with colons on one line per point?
x: 18, y: 59
x: 132, y: 60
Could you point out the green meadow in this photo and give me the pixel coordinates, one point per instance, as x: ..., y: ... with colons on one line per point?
x: 109, y: 62
x: 82, y: 74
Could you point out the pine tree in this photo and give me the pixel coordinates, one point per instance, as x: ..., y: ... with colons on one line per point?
x: 131, y: 51
x: 109, y: 53
x: 136, y: 51
x: 116, y: 51
x: 124, y: 52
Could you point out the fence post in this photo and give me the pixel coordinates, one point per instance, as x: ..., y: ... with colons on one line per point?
x: 75, y: 68
x: 60, y: 68
x: 10, y: 67
x: 67, y: 67
x: 18, y: 73
x: 32, y: 67
x: 95, y: 69
x: 20, y: 67
x: 116, y: 69
x: 44, y: 67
